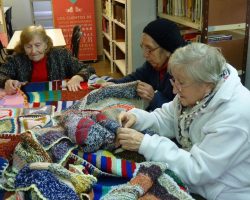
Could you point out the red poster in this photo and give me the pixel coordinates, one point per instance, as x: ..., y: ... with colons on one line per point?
x: 67, y: 14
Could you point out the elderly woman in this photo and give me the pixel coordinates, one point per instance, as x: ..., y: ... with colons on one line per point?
x: 209, y: 117
x: 35, y: 60
x: 160, y: 38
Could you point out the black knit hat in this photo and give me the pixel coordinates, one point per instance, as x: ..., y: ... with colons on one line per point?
x: 165, y: 33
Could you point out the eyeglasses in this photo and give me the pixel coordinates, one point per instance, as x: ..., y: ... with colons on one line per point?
x: 148, y: 50
x: 179, y: 86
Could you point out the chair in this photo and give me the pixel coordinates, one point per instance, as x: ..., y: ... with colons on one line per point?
x: 75, y: 40
x: 8, y: 18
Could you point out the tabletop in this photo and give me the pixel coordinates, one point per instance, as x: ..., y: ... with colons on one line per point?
x: 55, y: 34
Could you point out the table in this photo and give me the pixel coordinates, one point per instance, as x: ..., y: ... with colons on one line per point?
x: 55, y: 34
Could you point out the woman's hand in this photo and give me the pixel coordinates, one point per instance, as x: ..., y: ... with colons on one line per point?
x: 11, y: 86
x: 74, y: 83
x: 126, y: 119
x: 129, y: 139
x: 145, y: 91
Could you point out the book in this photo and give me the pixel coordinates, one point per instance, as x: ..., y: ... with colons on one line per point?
x: 219, y: 37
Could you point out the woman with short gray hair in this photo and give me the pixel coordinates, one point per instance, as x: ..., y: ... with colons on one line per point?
x: 209, y: 117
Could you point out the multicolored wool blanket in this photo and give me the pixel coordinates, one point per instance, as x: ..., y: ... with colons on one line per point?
x: 64, y: 156
x: 37, y: 94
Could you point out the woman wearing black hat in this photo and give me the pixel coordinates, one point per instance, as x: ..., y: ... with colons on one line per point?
x: 160, y: 38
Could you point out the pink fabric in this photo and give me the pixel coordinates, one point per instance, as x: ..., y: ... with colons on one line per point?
x: 14, y: 101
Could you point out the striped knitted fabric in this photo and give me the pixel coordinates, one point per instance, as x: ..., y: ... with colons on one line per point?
x: 95, y: 82
x: 52, y: 92
x: 59, y: 105
x: 100, y: 165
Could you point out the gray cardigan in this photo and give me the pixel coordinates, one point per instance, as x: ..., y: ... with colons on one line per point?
x: 60, y: 64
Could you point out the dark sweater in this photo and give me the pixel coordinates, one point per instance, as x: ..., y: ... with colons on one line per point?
x: 60, y: 65
x: 148, y: 74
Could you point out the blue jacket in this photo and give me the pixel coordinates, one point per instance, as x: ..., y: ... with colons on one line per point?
x: 147, y: 74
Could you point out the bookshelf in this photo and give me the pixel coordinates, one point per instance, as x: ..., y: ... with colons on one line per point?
x: 2, y: 19
x: 3, y: 29
x: 122, y: 26
x: 220, y: 23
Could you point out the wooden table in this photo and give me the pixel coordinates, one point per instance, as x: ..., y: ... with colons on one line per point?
x: 55, y: 34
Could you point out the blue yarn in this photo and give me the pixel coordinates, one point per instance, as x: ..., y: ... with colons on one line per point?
x: 48, y: 185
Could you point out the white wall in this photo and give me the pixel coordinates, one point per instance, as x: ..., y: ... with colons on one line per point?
x: 21, y: 13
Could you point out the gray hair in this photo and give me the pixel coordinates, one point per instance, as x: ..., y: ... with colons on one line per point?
x: 201, y: 62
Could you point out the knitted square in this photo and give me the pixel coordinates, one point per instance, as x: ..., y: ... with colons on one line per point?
x: 43, y: 110
x: 48, y: 136
x: 30, y: 121
x: 46, y: 184
x: 8, y: 125
x: 28, y: 151
x: 8, y: 143
x: 9, y: 112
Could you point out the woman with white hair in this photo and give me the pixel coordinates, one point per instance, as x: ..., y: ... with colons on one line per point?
x: 36, y: 60
x: 209, y: 118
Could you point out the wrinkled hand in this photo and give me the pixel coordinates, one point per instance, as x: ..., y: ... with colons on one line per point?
x: 129, y: 139
x: 126, y: 119
x: 74, y: 83
x: 11, y: 86
x: 145, y: 91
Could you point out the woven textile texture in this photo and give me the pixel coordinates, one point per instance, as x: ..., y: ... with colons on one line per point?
x: 112, y: 99
x: 48, y: 185
x: 53, y: 93
x: 150, y: 182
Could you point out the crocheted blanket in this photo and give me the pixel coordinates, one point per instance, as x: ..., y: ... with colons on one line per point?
x: 124, y: 179
x: 39, y: 136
